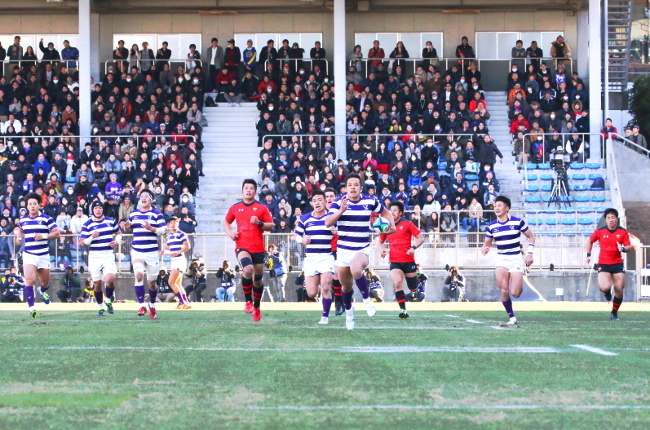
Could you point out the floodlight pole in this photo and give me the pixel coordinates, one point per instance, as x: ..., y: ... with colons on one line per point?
x: 84, y: 70
x: 339, y: 78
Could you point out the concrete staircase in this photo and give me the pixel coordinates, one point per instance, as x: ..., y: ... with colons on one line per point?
x: 230, y: 156
x: 506, y: 172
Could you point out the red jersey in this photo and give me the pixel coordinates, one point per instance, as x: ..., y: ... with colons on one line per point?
x: 609, y: 240
x: 400, y: 241
x: 250, y: 235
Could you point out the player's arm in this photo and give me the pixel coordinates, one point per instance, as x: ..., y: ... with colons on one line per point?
x: 227, y: 225
x: 336, y: 211
x: 53, y: 233
x: 266, y: 222
x: 381, y: 242
x: 487, y: 244
x: 299, y: 234
x: 590, y: 245
x: 416, y: 243
x: 626, y: 246
x: 186, y: 247
x: 391, y: 222
x: 531, y: 246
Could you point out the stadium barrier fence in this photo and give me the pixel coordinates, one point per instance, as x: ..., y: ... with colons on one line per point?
x: 114, y: 62
x: 643, y: 273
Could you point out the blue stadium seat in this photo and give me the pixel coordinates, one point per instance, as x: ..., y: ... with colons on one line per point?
x: 569, y: 221
x: 579, y: 177
x: 532, y: 177
x: 585, y: 232
x: 598, y: 199
x: 580, y: 187
x: 593, y: 176
x: 577, y: 166
x: 546, y: 199
x: 166, y: 258
x: 532, y: 188
x: 551, y: 221
x: 593, y: 166
x: 546, y: 177
x: 567, y: 211
x: 531, y: 166
x: 471, y: 176
x: 582, y: 199
x: 442, y: 166
x: 547, y: 187
x: 599, y: 209
x: 544, y: 166
x: 533, y: 199
x: 585, y: 210
x: 585, y: 221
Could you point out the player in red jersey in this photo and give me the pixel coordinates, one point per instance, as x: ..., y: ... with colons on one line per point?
x: 330, y: 196
x: 403, y: 243
x: 253, y: 219
x: 613, y: 240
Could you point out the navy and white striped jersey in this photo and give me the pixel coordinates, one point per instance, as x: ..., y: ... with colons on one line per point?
x: 107, y: 228
x: 507, y: 235
x: 175, y: 241
x: 143, y: 239
x: 41, y: 224
x: 354, y: 225
x: 321, y: 236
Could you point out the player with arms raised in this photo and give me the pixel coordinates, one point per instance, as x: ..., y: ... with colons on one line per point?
x: 351, y: 215
x: 177, y: 246
x: 319, y: 258
x: 403, y: 243
x: 147, y: 224
x: 36, y: 229
x: 101, y: 234
x: 506, y: 233
x: 613, y: 240
x: 330, y: 196
x: 253, y: 219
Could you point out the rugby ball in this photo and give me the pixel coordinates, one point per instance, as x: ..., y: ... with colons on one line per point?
x: 380, y: 224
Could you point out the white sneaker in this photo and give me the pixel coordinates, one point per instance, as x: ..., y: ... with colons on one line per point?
x: 370, y: 308
x: 513, y: 321
x: 324, y: 321
x: 349, y: 319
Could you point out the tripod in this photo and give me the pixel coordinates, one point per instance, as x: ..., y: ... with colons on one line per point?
x: 559, y: 193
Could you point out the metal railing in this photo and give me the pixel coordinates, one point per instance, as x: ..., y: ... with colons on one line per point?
x: 297, y: 61
x: 630, y: 144
x: 563, y: 140
x: 39, y: 62
x: 556, y: 60
x: 153, y: 62
x: 460, y: 248
x: 411, y: 60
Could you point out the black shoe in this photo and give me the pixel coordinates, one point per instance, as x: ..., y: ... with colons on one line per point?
x: 613, y: 316
x: 339, y: 311
x: 403, y: 314
x: 608, y: 296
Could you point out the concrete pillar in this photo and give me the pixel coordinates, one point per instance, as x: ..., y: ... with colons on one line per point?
x: 84, y: 71
x: 595, y: 80
x: 339, y: 77
x: 582, y: 51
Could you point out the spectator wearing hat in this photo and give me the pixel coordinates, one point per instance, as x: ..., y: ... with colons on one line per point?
x: 560, y: 50
x: 250, y: 57
x: 232, y: 58
x: 297, y: 53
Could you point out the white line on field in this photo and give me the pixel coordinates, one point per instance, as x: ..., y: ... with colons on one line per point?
x: 474, y: 321
x: 496, y: 327
x: 447, y: 407
x: 349, y: 349
x: 452, y: 316
x: 374, y: 327
x: 594, y: 350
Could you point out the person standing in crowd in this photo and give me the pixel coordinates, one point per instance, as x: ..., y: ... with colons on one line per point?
x: 377, y: 54
x: 121, y: 53
x: 215, y: 54
x: 164, y: 53
x: 277, y: 273
x: 561, y: 51
x: 71, y: 54
x: 317, y: 54
x: 534, y: 52
x: 463, y: 51
x: 232, y: 58
x: 430, y: 56
x: 250, y: 57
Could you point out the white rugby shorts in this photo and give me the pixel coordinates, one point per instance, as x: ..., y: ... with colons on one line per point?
x: 178, y: 263
x: 151, y: 263
x: 344, y: 256
x: 100, y: 265
x: 318, y: 264
x: 40, y: 261
x: 514, y: 263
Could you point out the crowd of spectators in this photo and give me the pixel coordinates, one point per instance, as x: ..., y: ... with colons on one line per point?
x: 420, y: 137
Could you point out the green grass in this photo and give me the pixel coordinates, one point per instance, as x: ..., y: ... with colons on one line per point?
x: 125, y: 372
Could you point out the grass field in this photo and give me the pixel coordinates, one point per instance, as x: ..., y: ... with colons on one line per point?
x: 449, y: 366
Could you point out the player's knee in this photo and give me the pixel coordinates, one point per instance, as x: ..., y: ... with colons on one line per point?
x: 516, y: 294
x: 412, y: 283
x: 399, y: 285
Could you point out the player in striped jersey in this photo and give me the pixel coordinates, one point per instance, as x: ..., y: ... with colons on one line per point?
x: 506, y: 233
x: 177, y: 246
x: 330, y: 196
x: 319, y: 260
x: 351, y: 215
x: 101, y: 235
x: 36, y: 229
x: 147, y: 224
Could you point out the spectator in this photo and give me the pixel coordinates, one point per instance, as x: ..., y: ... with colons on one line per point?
x: 197, y: 273
x: 226, y: 291
x: 71, y: 286
x: 232, y: 58
x: 377, y: 54
x: 355, y: 58
x: 375, y: 288
x: 430, y: 55
x: 518, y: 52
x: 398, y: 53
x: 638, y: 138
x: 165, y: 292
x: 463, y: 51
x: 609, y: 131
x: 454, y: 285
x: 277, y: 273
x: 11, y: 286
x: 70, y: 53
x: 561, y: 51
x: 533, y: 52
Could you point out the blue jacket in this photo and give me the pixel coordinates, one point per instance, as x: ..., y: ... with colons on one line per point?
x: 70, y: 53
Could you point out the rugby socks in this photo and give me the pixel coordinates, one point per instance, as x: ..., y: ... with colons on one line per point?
x: 29, y: 295
x: 139, y: 293
x: 109, y: 293
x: 336, y: 292
x: 257, y: 296
x: 616, y: 303
x: 247, y: 285
x: 179, y: 297
x: 152, y: 298
x: 99, y: 297
x: 44, y: 288
x: 508, y: 305
x: 327, y: 305
x: 347, y: 299
x: 184, y: 297
x: 401, y: 299
x: 362, y: 285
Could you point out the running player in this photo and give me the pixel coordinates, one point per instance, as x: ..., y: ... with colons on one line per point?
x: 253, y: 219
x: 36, y: 229
x: 147, y: 225
x: 330, y: 196
x: 403, y: 243
x: 319, y: 259
x: 506, y: 233
x: 177, y: 246
x: 101, y: 234
x: 351, y: 214
x: 613, y: 240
